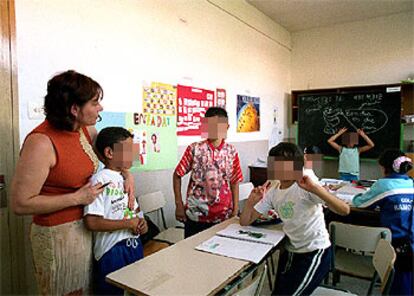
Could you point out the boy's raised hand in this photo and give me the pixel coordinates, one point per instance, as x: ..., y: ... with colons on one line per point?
x: 258, y: 193
x: 307, y: 184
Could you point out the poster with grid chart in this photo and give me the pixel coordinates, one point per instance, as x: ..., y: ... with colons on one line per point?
x: 159, y: 99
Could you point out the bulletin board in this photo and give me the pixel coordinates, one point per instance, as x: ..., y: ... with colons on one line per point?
x: 155, y: 135
x: 192, y: 104
x: 248, y: 114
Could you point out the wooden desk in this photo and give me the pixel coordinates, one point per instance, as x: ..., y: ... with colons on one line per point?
x: 180, y: 269
x: 357, y: 216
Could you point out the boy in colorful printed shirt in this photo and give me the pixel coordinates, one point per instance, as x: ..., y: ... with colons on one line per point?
x: 117, y: 228
x: 215, y: 171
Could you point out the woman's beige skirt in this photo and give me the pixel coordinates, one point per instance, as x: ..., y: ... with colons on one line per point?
x: 62, y: 258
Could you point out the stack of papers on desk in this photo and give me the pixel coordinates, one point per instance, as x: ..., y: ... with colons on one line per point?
x: 248, y: 243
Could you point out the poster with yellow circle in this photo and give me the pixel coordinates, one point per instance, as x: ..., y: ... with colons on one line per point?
x: 248, y: 114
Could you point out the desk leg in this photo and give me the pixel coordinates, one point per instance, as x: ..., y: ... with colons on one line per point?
x: 269, y: 272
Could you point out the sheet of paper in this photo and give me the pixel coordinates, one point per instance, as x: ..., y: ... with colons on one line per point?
x: 326, y: 181
x: 252, y: 233
x: 347, y: 193
x: 345, y: 197
x: 234, y: 248
x: 350, y: 189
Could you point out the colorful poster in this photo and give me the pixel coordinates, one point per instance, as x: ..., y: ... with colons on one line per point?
x: 192, y: 104
x: 248, y: 114
x: 159, y: 99
x: 155, y: 135
x: 221, y: 98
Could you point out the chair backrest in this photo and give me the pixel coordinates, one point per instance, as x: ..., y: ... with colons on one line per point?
x: 151, y: 202
x: 255, y: 286
x: 249, y: 283
x: 358, y: 238
x: 383, y: 262
x: 244, y: 190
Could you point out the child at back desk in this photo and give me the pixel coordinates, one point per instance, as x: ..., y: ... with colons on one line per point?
x: 394, y: 194
x: 298, y: 202
x: 116, y: 228
x: 349, y: 153
x: 312, y: 158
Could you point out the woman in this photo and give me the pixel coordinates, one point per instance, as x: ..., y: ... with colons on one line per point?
x: 394, y: 195
x: 51, y: 183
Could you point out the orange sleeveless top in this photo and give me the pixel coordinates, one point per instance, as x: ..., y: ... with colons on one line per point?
x: 72, y: 170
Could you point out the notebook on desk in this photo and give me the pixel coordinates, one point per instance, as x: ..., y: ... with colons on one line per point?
x: 248, y: 243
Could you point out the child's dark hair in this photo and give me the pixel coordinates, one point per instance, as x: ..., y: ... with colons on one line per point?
x: 312, y: 150
x: 216, y: 111
x: 288, y: 151
x: 108, y: 136
x: 388, y: 158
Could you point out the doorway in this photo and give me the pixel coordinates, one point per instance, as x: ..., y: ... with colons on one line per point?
x: 14, y: 256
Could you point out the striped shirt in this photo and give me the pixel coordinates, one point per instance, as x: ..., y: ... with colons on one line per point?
x: 213, y: 169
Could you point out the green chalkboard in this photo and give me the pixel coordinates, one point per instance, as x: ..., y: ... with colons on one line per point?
x: 377, y: 110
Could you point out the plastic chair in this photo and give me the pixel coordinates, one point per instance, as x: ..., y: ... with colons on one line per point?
x: 331, y: 291
x: 244, y: 191
x: 383, y: 262
x: 353, y: 249
x: 249, y: 283
x: 154, y: 203
x: 384, y: 259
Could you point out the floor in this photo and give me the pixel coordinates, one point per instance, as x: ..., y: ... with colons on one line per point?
x: 351, y: 284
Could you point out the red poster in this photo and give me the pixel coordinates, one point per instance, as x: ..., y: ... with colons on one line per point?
x: 221, y: 97
x: 192, y: 104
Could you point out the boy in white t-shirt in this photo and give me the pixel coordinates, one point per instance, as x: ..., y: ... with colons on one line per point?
x: 116, y: 227
x: 298, y: 201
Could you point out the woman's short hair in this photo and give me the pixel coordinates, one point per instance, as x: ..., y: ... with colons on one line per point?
x: 65, y: 90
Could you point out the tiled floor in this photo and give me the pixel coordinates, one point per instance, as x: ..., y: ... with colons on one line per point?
x: 351, y: 284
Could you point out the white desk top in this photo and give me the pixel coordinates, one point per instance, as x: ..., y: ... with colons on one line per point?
x: 180, y: 269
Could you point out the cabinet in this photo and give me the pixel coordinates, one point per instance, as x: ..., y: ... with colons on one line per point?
x: 258, y: 175
x: 407, y: 97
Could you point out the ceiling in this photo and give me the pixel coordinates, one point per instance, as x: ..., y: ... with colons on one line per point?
x: 298, y: 15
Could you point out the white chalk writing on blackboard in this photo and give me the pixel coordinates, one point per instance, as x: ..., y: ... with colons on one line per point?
x: 363, y: 115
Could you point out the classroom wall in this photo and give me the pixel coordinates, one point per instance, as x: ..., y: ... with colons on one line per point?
x: 123, y: 44
x: 374, y: 51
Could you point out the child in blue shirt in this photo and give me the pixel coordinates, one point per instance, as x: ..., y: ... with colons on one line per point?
x: 116, y: 227
x: 394, y: 195
x: 349, y: 153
